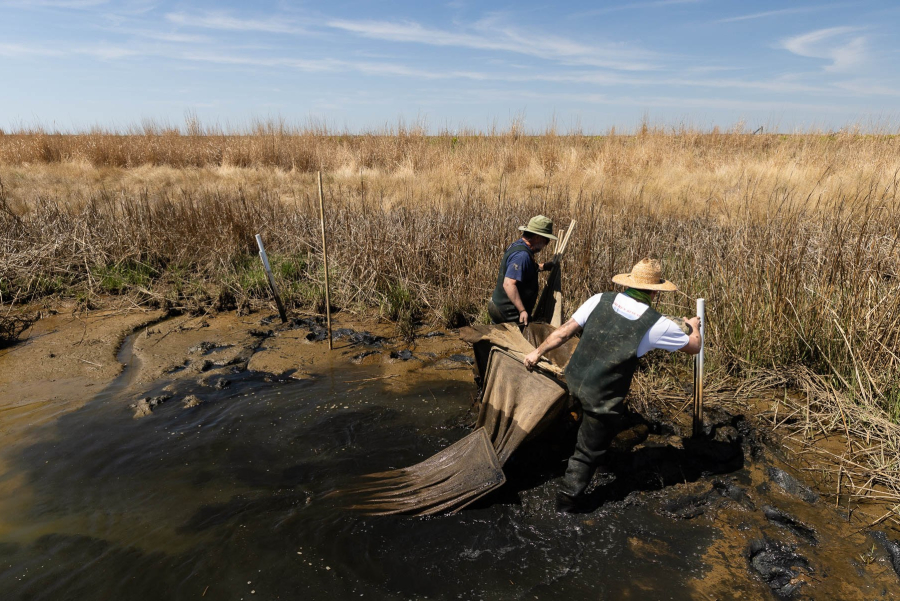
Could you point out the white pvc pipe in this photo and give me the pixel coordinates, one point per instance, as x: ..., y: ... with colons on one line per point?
x: 271, y: 278
x: 262, y: 254
x: 701, y: 313
x: 698, y: 373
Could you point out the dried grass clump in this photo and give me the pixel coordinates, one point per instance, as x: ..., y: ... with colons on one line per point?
x: 869, y: 465
x: 12, y: 327
x: 851, y: 445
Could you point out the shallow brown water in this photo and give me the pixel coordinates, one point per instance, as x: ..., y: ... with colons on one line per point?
x: 231, y: 498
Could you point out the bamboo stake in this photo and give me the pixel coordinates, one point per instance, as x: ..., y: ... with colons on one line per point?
x: 272, y: 286
x: 565, y: 242
x: 558, y: 242
x: 325, y: 260
x: 697, y: 426
x: 552, y: 289
x: 556, y: 320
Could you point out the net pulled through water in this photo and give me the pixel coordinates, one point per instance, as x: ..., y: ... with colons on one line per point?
x: 516, y: 404
x: 445, y: 482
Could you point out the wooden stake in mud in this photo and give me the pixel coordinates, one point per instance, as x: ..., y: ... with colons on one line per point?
x: 325, y: 260
x: 265, y: 260
x: 697, y: 426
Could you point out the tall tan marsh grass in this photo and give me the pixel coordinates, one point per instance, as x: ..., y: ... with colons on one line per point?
x: 793, y: 239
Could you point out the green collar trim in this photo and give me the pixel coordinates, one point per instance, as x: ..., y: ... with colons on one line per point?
x: 642, y: 296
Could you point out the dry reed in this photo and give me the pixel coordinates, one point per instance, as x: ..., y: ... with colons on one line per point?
x: 793, y: 240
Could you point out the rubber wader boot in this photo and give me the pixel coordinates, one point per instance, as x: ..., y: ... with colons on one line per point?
x: 594, y: 436
x: 570, y: 497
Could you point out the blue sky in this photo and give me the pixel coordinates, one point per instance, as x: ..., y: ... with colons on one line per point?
x: 72, y: 64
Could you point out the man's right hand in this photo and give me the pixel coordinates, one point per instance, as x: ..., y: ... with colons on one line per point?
x: 523, y: 318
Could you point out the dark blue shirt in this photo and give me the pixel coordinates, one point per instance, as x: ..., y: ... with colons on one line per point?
x: 518, y: 265
x: 521, y: 267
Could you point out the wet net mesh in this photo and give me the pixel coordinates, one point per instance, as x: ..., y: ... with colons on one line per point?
x: 445, y: 482
x: 516, y: 404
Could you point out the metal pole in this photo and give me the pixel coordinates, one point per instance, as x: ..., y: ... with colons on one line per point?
x: 325, y: 260
x: 697, y: 426
x: 272, y: 286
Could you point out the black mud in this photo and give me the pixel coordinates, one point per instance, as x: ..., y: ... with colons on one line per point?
x: 780, y: 566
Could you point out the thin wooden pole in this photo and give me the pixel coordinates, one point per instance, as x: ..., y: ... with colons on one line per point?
x: 325, y: 260
x: 272, y: 286
x: 697, y: 426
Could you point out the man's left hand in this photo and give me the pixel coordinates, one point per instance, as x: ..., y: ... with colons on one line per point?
x: 694, y: 322
x: 531, y: 359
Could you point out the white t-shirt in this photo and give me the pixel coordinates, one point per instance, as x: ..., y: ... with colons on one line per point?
x: 664, y: 334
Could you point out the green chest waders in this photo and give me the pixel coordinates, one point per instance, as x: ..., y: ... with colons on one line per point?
x: 501, y: 308
x: 599, y: 375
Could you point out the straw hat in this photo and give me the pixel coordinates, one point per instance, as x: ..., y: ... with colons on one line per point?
x: 540, y: 225
x: 645, y: 275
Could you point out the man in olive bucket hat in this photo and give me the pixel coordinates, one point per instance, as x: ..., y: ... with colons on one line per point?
x: 616, y: 329
x: 517, y: 281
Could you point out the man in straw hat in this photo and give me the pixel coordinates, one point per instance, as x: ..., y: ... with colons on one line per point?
x: 517, y: 281
x: 616, y: 329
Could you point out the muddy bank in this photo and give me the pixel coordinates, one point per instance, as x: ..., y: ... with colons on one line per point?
x: 67, y: 358
x: 207, y: 466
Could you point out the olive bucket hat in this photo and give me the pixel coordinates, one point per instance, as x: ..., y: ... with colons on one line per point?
x: 540, y: 225
x: 645, y: 275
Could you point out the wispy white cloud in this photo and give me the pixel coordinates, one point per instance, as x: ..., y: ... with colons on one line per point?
x: 106, y: 51
x: 306, y: 65
x: 327, y: 65
x: 662, y: 3
x: 179, y: 38
x: 75, y: 4
x: 162, y: 36
x: 100, y: 51
x: 774, y: 13
x: 710, y: 69
x: 490, y: 35
x: 868, y: 88
x: 669, y: 101
x: 837, y: 44
x: 226, y: 22
x: 131, y: 11
x: 633, y: 6
x: 17, y: 50
x: 593, y: 78
x: 598, y: 79
x: 608, y: 79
